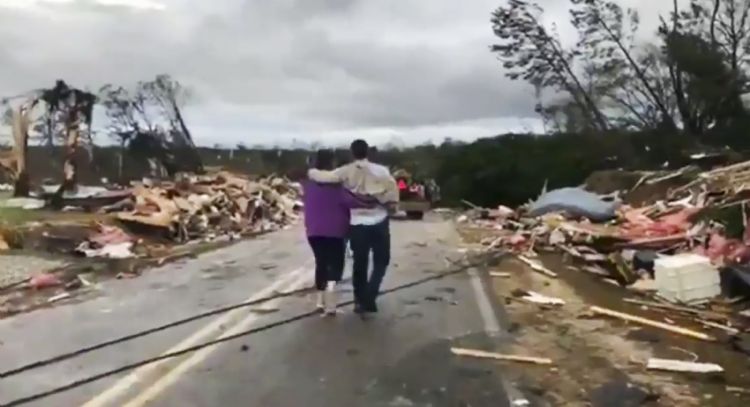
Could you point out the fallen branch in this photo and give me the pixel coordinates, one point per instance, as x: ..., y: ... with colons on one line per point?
x: 536, y: 266
x: 652, y: 323
x: 682, y: 366
x: 499, y: 356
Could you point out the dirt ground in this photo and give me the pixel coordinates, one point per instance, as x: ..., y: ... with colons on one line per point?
x: 601, y: 362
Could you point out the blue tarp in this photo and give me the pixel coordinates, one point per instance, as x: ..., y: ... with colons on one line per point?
x: 575, y: 202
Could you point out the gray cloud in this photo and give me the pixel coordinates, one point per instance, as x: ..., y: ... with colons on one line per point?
x: 301, y: 67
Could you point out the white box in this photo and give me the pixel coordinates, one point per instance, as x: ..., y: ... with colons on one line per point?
x: 687, y: 278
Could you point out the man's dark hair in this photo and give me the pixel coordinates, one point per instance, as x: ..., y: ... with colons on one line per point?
x: 359, y: 149
x: 324, y: 159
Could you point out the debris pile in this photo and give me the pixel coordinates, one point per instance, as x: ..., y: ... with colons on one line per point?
x: 682, y: 231
x: 210, y: 205
x: 188, y: 208
x: 109, y: 242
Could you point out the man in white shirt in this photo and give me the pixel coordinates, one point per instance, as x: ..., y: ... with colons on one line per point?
x: 370, y: 230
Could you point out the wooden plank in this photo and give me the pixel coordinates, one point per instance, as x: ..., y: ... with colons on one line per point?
x: 537, y: 266
x: 652, y: 323
x: 727, y: 329
x: 499, y: 274
x: 683, y: 366
x: 500, y: 356
x: 687, y: 310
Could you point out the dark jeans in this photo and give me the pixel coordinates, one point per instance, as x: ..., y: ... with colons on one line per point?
x: 366, y: 239
x: 329, y: 259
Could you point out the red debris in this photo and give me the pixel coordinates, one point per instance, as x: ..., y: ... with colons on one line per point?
x: 41, y: 281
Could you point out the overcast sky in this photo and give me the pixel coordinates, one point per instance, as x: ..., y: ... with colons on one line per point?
x: 271, y: 71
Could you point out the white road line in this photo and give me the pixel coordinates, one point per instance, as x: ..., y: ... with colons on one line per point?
x: 175, y: 374
x: 492, y: 326
x: 206, y: 333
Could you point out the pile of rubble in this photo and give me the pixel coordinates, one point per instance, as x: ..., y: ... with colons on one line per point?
x: 199, y: 206
x: 190, y: 208
x: 628, y: 245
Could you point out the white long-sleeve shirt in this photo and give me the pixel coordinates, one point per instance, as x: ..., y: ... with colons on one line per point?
x: 365, y: 178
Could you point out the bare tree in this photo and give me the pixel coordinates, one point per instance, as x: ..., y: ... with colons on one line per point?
x: 607, y: 31
x: 75, y: 107
x: 170, y: 97
x: 532, y: 53
x: 128, y: 114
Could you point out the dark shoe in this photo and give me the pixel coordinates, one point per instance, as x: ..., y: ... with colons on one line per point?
x: 358, y: 308
x: 371, y: 307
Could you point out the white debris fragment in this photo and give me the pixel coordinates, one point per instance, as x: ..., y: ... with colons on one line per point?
x: 58, y: 297
x: 113, y: 251
x: 683, y: 366
x: 537, y: 298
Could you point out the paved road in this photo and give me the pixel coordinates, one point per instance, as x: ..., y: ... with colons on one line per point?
x: 399, y: 358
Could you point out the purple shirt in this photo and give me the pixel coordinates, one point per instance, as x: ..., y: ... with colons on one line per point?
x: 327, y: 207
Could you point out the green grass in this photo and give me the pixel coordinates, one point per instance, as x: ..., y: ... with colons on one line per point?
x: 13, y: 217
x: 17, y: 216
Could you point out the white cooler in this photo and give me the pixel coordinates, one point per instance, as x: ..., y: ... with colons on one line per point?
x: 687, y: 278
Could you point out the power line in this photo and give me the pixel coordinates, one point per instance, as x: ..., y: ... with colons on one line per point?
x: 135, y: 365
x: 130, y: 337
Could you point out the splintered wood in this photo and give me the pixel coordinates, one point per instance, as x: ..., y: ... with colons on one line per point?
x: 500, y: 356
x: 682, y: 366
x: 499, y: 274
x: 652, y: 323
x: 537, y: 266
x: 537, y: 298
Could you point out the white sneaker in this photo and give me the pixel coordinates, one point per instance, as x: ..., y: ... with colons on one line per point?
x: 320, y: 303
x: 331, y: 298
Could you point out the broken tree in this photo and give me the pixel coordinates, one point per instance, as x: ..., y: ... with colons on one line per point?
x: 75, y: 107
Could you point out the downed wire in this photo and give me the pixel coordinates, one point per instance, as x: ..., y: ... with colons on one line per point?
x: 135, y: 365
x: 10, y: 286
x: 130, y: 337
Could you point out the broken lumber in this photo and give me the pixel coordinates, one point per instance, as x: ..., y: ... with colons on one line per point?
x: 537, y: 298
x: 499, y: 274
x: 739, y: 390
x: 687, y: 310
x: 682, y: 366
x: 649, y: 322
x: 500, y: 356
x: 727, y: 329
x: 536, y: 266
x: 470, y: 205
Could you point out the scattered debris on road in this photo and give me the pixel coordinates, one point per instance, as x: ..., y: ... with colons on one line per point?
x: 132, y: 227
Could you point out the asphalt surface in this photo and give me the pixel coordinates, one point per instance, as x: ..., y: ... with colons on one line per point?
x: 401, y: 357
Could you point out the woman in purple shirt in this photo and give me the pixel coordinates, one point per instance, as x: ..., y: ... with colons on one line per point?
x: 326, y: 208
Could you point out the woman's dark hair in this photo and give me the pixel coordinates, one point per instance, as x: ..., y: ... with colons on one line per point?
x: 324, y: 160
